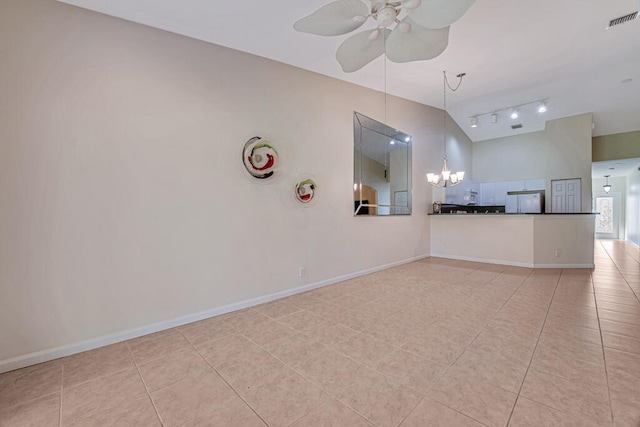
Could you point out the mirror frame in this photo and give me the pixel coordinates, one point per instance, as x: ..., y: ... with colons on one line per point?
x: 360, y: 122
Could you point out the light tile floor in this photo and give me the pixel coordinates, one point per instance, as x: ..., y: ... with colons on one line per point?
x: 436, y: 342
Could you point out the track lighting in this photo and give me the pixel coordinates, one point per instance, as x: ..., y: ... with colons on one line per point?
x: 514, y: 111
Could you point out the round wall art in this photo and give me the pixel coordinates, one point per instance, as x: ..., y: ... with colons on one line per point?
x: 306, y: 190
x: 260, y: 158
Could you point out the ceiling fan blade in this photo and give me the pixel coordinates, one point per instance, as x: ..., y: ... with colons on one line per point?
x: 436, y: 14
x: 419, y: 43
x: 335, y: 18
x: 358, y: 50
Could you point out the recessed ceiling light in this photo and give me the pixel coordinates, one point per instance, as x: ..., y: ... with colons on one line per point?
x: 514, y: 114
x: 474, y: 122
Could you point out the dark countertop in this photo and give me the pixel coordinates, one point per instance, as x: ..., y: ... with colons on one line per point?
x: 513, y: 214
x: 454, y: 209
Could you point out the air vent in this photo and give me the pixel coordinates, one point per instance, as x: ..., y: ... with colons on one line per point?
x: 518, y: 126
x: 623, y: 19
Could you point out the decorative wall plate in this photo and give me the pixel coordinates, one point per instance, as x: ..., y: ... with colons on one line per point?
x: 305, y: 190
x: 260, y: 158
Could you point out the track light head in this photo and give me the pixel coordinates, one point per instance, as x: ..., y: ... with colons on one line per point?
x: 542, y: 107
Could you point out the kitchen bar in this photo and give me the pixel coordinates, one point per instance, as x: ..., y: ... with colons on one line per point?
x: 526, y: 240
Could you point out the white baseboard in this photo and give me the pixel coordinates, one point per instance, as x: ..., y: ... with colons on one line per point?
x: 564, y: 266
x: 484, y: 260
x: 69, y: 349
x: 513, y: 263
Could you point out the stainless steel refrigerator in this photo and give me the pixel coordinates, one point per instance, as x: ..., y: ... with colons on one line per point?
x: 525, y: 202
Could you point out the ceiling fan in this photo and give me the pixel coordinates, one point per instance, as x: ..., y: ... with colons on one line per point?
x: 408, y: 30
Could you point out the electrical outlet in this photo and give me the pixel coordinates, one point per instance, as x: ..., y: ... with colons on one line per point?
x: 301, y: 272
x: 557, y: 253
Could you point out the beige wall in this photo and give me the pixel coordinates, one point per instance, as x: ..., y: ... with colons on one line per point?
x: 617, y: 146
x: 124, y: 201
x: 561, y: 151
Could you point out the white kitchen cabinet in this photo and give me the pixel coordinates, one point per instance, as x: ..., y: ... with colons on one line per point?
x: 493, y: 193
x: 535, y: 184
x: 515, y: 185
x: 500, y: 193
x: 526, y: 185
x: 487, y: 193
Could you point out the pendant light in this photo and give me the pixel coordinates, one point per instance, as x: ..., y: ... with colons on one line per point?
x: 446, y: 178
x: 607, y: 187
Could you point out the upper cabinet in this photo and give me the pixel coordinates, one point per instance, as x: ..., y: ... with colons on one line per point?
x: 495, y: 193
x: 526, y: 185
x: 535, y: 184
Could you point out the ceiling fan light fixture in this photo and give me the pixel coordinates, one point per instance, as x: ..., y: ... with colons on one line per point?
x: 411, y: 4
x: 386, y: 16
x: 404, y: 27
x: 422, y: 33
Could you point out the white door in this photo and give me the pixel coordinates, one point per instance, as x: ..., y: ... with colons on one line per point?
x: 607, y: 205
x: 566, y: 196
x: 573, y: 196
x: 558, y: 191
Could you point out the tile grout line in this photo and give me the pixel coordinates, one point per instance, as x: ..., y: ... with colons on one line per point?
x: 604, y: 359
x: 353, y: 360
x: 303, y: 376
x: 221, y: 376
x: 61, y: 394
x: 620, y: 272
x: 535, y: 348
x: 604, y: 354
x: 135, y: 363
x: 465, y: 349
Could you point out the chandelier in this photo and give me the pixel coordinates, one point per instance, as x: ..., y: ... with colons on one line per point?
x: 446, y: 178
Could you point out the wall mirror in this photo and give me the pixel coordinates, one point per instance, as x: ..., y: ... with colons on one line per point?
x: 381, y: 168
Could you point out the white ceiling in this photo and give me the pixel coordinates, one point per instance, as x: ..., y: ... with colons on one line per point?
x: 615, y: 168
x: 512, y: 51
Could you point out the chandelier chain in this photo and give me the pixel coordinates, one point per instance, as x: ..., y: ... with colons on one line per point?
x: 446, y: 84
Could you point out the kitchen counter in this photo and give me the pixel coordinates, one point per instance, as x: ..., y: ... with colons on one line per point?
x: 503, y: 213
x: 527, y: 240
